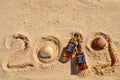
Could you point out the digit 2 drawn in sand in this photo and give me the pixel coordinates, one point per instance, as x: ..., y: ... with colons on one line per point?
x: 100, y: 48
x: 46, y: 51
x: 9, y: 44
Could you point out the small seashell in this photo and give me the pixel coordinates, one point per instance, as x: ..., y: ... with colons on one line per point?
x: 46, y: 52
x: 99, y: 43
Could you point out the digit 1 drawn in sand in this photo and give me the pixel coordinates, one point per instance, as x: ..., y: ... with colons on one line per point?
x: 8, y: 62
x: 101, y: 51
x: 46, y: 51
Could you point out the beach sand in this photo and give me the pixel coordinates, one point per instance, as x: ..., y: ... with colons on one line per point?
x: 28, y: 25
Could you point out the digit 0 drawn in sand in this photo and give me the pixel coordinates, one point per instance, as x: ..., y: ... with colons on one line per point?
x: 101, y: 50
x: 10, y: 63
x: 46, y: 51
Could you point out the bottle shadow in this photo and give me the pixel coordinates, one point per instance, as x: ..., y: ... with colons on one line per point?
x: 73, y: 61
x: 73, y: 67
x: 61, y: 59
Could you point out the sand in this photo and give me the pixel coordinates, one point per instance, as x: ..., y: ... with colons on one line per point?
x: 28, y: 25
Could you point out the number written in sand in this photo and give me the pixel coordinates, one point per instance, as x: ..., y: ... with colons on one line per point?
x: 13, y: 61
x: 46, y: 51
x: 102, y: 50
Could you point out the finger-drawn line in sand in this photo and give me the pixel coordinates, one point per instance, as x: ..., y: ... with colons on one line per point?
x: 13, y: 58
x: 20, y: 66
x: 111, y: 51
x: 47, y: 50
x: 87, y: 2
x: 24, y: 38
x: 11, y: 39
x: 110, y: 48
x: 104, y: 54
x: 7, y: 63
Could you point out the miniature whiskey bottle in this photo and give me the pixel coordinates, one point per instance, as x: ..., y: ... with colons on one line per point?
x: 70, y: 49
x: 80, y: 59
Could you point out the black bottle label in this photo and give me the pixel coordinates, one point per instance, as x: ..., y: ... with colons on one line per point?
x: 70, y: 48
x: 80, y: 59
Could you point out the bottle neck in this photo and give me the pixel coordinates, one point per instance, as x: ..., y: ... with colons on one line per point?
x: 79, y: 49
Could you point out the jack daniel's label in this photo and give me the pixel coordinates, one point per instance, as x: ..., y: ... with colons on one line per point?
x: 70, y: 48
x: 80, y: 58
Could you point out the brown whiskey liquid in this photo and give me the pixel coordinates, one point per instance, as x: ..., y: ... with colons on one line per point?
x: 70, y: 49
x: 71, y: 46
x: 80, y: 60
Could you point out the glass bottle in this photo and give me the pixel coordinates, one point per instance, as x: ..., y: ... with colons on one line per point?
x: 70, y: 48
x: 80, y: 59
